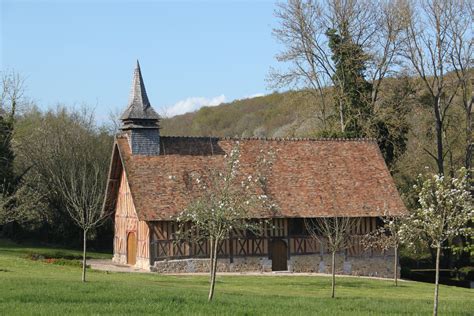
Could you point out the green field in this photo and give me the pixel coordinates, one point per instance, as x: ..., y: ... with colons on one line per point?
x: 39, y: 287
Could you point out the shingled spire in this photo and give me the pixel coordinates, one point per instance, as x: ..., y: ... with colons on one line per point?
x: 139, y: 108
x: 140, y: 121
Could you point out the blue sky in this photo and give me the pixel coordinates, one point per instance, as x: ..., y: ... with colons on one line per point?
x: 191, y: 53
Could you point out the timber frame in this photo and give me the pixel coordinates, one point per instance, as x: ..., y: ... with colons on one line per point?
x: 165, y: 246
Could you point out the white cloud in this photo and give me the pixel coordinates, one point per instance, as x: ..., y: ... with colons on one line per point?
x: 255, y: 95
x: 192, y: 104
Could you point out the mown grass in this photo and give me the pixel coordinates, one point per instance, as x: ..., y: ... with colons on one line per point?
x: 37, y: 287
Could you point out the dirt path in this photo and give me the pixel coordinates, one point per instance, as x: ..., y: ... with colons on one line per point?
x: 108, y: 265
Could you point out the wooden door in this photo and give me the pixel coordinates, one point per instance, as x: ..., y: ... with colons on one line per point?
x: 131, y: 248
x: 279, y: 255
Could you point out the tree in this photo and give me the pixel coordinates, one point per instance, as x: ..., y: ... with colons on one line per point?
x: 353, y: 90
x: 460, y: 57
x: 371, y: 27
x: 335, y: 232
x: 83, y: 189
x: 12, y: 87
x: 436, y: 42
x: 23, y: 205
x: 226, y: 203
x: 52, y: 145
x: 446, y: 207
x: 7, y: 176
x: 385, y: 238
x: 18, y: 202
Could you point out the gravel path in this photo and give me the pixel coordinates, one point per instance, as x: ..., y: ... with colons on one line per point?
x: 108, y: 265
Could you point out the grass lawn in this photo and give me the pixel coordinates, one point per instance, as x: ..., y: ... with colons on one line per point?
x: 38, y: 287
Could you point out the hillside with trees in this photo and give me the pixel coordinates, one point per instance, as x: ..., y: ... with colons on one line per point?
x: 405, y: 108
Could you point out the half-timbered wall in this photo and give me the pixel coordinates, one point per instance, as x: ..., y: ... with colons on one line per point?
x: 164, y: 245
x: 126, y: 221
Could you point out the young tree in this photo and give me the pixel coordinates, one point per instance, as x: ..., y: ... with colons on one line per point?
x: 227, y: 200
x: 335, y: 232
x: 446, y: 207
x: 385, y: 238
x: 83, y: 189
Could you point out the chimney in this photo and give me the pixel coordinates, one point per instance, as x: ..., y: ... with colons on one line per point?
x: 139, y: 121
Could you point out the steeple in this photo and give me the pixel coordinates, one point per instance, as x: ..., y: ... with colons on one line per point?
x: 139, y: 113
x: 139, y: 121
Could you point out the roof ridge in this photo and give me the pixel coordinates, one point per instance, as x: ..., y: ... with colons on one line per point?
x: 336, y: 139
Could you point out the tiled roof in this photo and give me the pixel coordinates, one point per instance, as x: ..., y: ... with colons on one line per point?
x: 309, y: 177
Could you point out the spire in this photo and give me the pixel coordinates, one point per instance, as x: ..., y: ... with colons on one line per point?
x: 140, y: 121
x: 139, y: 107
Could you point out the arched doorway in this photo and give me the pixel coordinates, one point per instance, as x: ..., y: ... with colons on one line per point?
x: 279, y: 255
x: 131, y: 248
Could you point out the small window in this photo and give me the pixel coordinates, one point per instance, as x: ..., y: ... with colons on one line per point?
x: 297, y: 227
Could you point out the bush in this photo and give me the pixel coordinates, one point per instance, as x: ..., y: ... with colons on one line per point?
x: 58, y: 258
x: 405, y: 272
x: 466, y: 273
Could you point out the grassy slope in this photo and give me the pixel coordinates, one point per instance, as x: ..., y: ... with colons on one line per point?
x: 33, y: 287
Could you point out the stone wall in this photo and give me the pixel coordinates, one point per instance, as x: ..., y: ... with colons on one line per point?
x: 141, y: 263
x: 380, y: 266
x: 246, y: 264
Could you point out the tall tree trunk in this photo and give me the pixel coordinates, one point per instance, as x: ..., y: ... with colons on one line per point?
x: 439, y: 136
x: 84, y: 244
x: 333, y: 270
x: 436, y: 293
x: 395, y: 266
x: 214, y: 268
x: 341, y: 116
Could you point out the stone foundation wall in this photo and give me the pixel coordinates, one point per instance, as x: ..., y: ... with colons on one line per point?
x: 380, y: 266
x: 246, y: 264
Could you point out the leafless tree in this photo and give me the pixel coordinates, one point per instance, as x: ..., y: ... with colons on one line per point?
x: 461, y: 59
x: 374, y: 25
x: 12, y: 92
x: 437, y: 43
x: 335, y: 232
x: 83, y: 188
x: 385, y: 238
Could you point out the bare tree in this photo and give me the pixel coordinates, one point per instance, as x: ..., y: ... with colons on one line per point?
x: 385, y: 238
x: 335, y: 232
x: 83, y: 189
x: 436, y: 43
x: 373, y: 25
x: 460, y: 57
x: 12, y: 92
